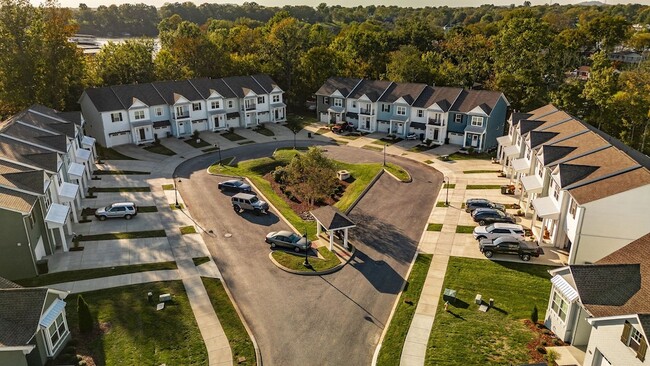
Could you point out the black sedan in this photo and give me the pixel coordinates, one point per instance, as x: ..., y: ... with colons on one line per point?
x: 474, y: 203
x: 288, y: 239
x: 235, y: 185
x: 485, y: 216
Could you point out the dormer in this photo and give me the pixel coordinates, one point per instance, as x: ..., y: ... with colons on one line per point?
x: 480, y: 111
x: 401, y: 101
x: 337, y: 94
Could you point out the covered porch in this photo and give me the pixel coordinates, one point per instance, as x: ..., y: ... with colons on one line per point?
x: 56, y: 219
x: 334, y: 114
x: 332, y: 221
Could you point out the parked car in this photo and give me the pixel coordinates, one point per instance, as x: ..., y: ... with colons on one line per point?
x: 288, y: 239
x: 119, y: 209
x: 510, y: 245
x: 485, y: 216
x: 235, y: 185
x: 474, y: 203
x: 497, y: 230
x: 341, y: 127
x: 412, y: 136
x: 248, y: 202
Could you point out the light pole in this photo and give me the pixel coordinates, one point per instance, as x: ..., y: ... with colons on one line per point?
x: 216, y: 146
x: 306, y: 262
x: 385, y: 154
x: 175, y: 191
x: 446, y: 180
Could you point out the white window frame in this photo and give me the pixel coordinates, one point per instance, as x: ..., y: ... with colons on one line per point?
x: 477, y: 121
x: 116, y: 117
x: 180, y: 111
x: 326, y: 100
x: 556, y: 191
x: 354, y: 104
x: 385, y: 108
x: 215, y: 104
x: 260, y: 99
x: 231, y: 104
x: 276, y: 98
x: 458, y: 118
x: 420, y: 113
x: 400, y: 111
x: 338, y: 102
x: 55, y: 329
x: 137, y: 115
x: 573, y: 207
x: 634, y: 341
x: 196, y: 106
x: 158, y: 111
x: 559, y: 305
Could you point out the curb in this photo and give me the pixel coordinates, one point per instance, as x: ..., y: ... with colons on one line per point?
x: 370, y: 185
x: 409, y: 180
x: 321, y: 273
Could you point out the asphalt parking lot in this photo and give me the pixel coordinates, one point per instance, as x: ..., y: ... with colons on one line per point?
x: 330, y: 320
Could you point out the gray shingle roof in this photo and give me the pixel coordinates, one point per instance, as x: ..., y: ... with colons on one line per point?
x: 145, y: 93
x: 518, y: 116
x: 343, y: 85
x: 74, y: 117
x: 373, y: 89
x: 526, y: 126
x: 539, y: 137
x: 470, y: 99
x: 204, y: 85
x: 265, y: 81
x: 331, y: 218
x: 28, y: 133
x: 169, y: 89
x: 551, y: 153
x: 241, y: 85
x: 20, y: 312
x: 28, y: 154
x: 571, y: 173
x: 443, y: 96
x: 409, y: 91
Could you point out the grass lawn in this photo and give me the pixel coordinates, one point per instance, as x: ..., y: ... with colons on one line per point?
x: 463, y: 229
x: 147, y: 209
x: 134, y: 333
x: 391, y: 348
x: 294, y: 261
x: 428, y: 161
x: 168, y: 187
x: 372, y: 147
x: 419, y: 148
x: 301, y: 120
x: 434, y: 227
x: 483, y: 186
x: 479, y: 171
x: 200, y: 260
x: 125, y: 235
x: 188, y: 230
x: 262, y: 130
x: 160, y: 149
x: 233, y: 136
x: 481, y: 156
x: 398, y: 171
x: 322, y: 131
x: 255, y: 170
x: 173, y: 206
x: 107, y: 153
x: 386, y: 141
x: 466, y: 336
x: 92, y: 190
x: 202, y: 143
x: 240, y: 343
x: 119, y: 172
x: 449, y: 185
x: 441, y: 204
x: 86, y: 274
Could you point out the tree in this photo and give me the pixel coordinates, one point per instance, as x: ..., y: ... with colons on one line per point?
x: 599, y: 90
x: 125, y: 63
x: 632, y: 106
x: 406, y: 65
x: 85, y: 318
x: 314, y: 67
x: 312, y: 176
x: 534, y: 315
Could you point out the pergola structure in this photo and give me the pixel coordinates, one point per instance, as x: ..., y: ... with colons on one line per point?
x: 332, y: 220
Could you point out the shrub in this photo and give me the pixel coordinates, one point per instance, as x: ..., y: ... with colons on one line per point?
x: 231, y: 130
x: 279, y: 175
x: 557, y: 342
x: 85, y: 319
x: 470, y: 150
x: 195, y: 134
x: 546, y: 331
x: 551, y: 357
x: 541, y: 349
x: 544, y: 343
x: 534, y: 315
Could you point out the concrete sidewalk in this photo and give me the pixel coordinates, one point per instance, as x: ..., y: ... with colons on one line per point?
x: 118, y: 281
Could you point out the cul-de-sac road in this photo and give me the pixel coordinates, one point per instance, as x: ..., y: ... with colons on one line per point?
x: 335, y: 319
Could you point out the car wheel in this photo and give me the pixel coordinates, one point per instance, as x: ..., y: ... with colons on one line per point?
x: 481, y: 237
x: 296, y: 249
x: 273, y: 245
x: 237, y: 208
x: 481, y: 222
x: 220, y: 187
x: 488, y: 253
x: 468, y: 210
x: 102, y: 218
x: 257, y: 211
x: 128, y: 217
x: 525, y: 257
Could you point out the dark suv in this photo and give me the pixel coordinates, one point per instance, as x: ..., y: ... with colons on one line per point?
x: 486, y: 216
x: 510, y: 245
x: 474, y: 203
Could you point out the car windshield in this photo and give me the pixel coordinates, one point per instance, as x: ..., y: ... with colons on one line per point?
x: 237, y: 183
x: 254, y: 199
x: 489, y: 228
x: 294, y: 238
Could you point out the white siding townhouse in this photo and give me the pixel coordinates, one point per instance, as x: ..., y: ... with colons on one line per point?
x: 140, y: 113
x: 603, y: 309
x: 590, y: 191
x: 45, y: 167
x: 469, y: 118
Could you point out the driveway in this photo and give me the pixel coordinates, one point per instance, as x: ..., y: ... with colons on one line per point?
x: 329, y: 320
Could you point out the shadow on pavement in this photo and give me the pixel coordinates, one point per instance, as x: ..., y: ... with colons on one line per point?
x: 264, y: 219
x: 379, y: 273
x: 383, y: 237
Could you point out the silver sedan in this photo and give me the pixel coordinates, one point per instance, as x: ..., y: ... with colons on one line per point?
x: 288, y: 239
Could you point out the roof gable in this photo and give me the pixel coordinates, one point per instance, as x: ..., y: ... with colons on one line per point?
x: 571, y: 173
x: 551, y: 153
x: 537, y: 138
x: 343, y: 85
x: 20, y: 312
x: 607, y: 284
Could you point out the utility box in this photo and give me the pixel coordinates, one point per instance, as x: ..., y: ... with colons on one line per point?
x: 343, y: 175
x: 165, y: 297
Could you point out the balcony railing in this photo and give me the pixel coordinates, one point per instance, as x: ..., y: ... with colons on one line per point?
x: 366, y: 111
x: 185, y: 114
x: 436, y: 121
x: 250, y: 107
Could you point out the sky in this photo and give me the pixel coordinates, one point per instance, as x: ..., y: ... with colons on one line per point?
x: 346, y: 3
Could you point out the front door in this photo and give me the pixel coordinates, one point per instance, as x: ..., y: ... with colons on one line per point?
x: 435, y: 134
x: 474, y: 140
x: 142, y: 134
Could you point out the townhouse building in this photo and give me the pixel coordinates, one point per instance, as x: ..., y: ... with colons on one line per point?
x: 589, y: 190
x: 602, y: 309
x: 469, y: 118
x: 141, y: 113
x: 45, y: 167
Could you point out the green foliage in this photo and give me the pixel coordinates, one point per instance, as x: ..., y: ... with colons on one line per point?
x: 129, y: 62
x: 84, y: 316
x: 534, y: 315
x: 311, y: 176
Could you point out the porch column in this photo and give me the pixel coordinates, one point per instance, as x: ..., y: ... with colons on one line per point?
x: 540, y: 237
x: 74, y: 213
x: 331, y: 239
x: 87, y: 169
x: 77, y: 199
x: 64, y: 243
x: 80, y: 182
x: 345, y: 238
x: 68, y: 223
x: 317, y: 228
x: 527, y: 203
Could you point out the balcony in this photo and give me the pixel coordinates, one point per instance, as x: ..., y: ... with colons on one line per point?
x: 249, y: 107
x: 185, y: 114
x: 367, y: 111
x: 436, y: 121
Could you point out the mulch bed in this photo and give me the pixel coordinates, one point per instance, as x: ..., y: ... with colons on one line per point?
x: 302, y: 207
x: 543, y: 337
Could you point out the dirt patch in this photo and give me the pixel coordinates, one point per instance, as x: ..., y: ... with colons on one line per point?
x: 302, y: 207
x: 543, y: 337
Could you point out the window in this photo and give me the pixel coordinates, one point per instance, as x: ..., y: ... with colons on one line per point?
x: 528, y: 152
x: 354, y: 104
x: 326, y: 100
x: 276, y: 98
x: 215, y: 104
x: 116, y: 117
x: 138, y: 115
x: 158, y: 111
x: 476, y: 121
x: 401, y: 111
x: 338, y: 102
x: 231, y: 104
x: 260, y: 100
x: 385, y: 107
x: 556, y: 190
x: 573, y: 207
x: 633, y: 338
x: 196, y: 106
x: 181, y: 112
x: 57, y: 332
x: 420, y: 113
x: 540, y: 171
x: 458, y: 118
x: 32, y: 221
x: 560, y: 305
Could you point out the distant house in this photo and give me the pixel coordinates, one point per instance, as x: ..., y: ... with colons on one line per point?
x: 628, y: 57
x: 33, y: 325
x: 469, y: 118
x: 140, y: 113
x: 589, y: 189
x: 603, y: 309
x: 581, y: 73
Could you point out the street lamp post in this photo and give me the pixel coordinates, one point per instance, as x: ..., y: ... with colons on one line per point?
x: 306, y: 262
x: 447, y: 196
x: 385, y: 154
x: 216, y: 146
x: 175, y: 191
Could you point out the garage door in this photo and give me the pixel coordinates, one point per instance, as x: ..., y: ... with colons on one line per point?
x: 456, y: 138
x: 121, y: 138
x: 39, y: 251
x: 200, y: 125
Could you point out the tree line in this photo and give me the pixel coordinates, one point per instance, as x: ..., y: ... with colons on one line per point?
x: 523, y: 51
